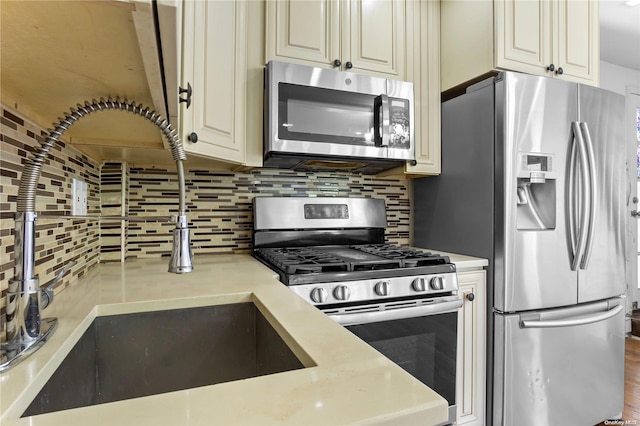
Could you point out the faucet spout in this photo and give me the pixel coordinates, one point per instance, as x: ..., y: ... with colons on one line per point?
x: 26, y: 330
x: 180, y: 262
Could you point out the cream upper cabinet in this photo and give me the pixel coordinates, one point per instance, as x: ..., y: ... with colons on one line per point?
x: 423, y: 69
x: 554, y: 38
x: 425, y: 74
x: 220, y: 61
x: 471, y: 365
x: 523, y: 35
x: 578, y: 40
x: 375, y: 37
x: 303, y: 31
x: 367, y: 36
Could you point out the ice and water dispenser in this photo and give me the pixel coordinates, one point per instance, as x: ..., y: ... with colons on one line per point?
x: 536, y: 192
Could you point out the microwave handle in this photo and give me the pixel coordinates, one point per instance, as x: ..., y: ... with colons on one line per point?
x: 381, y: 113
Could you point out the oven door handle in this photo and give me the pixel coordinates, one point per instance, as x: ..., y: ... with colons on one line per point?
x: 399, y: 313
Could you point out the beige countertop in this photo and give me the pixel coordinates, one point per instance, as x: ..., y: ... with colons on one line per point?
x: 463, y: 262
x: 345, y: 380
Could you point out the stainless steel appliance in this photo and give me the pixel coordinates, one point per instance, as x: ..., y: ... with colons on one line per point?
x: 402, y: 301
x: 534, y: 179
x: 320, y: 118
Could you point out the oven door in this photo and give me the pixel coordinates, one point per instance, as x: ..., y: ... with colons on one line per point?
x: 419, y: 336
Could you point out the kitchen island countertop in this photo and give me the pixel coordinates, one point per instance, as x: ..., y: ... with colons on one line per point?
x: 345, y: 380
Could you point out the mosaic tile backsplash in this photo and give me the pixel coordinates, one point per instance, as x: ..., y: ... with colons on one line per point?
x: 219, y: 205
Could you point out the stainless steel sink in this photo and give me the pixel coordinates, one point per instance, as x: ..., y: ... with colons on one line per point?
x: 140, y: 354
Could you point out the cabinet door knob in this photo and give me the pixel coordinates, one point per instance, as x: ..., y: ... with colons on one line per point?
x: 349, y: 65
x: 337, y: 63
x: 470, y: 297
x: 551, y: 68
x: 188, y: 91
x: 560, y: 71
x: 193, y: 137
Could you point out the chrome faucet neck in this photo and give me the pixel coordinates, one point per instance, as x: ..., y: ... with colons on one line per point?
x: 26, y: 331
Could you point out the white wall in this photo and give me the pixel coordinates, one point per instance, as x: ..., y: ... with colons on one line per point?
x: 617, y: 79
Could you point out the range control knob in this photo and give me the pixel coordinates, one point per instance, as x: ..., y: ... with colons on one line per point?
x: 419, y: 284
x: 341, y: 292
x: 319, y: 295
x: 437, y: 283
x: 382, y: 288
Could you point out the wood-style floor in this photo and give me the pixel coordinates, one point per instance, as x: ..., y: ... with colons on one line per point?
x: 631, y: 413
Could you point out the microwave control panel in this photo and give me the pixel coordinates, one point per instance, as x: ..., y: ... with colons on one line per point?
x: 399, y: 134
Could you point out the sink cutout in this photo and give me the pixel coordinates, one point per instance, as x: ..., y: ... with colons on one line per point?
x: 140, y: 354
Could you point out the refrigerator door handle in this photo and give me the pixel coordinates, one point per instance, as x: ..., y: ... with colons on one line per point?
x: 581, y: 320
x: 582, y: 184
x: 592, y: 195
x: 570, y: 193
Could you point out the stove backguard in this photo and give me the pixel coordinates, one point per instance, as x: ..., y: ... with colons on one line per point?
x: 317, y: 221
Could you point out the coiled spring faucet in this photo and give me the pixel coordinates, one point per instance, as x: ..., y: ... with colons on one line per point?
x: 26, y: 330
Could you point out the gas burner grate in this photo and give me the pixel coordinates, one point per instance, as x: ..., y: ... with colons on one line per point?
x: 409, y: 257
x: 368, y: 257
x: 302, y: 260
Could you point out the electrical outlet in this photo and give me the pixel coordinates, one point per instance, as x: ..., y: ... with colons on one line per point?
x: 75, y: 196
x: 78, y: 197
x: 83, y: 197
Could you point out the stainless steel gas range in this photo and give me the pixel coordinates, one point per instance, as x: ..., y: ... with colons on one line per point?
x: 400, y: 300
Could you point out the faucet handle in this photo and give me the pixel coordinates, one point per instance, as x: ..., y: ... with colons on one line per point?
x: 46, y: 295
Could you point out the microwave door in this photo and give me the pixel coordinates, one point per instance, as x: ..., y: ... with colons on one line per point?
x: 321, y: 121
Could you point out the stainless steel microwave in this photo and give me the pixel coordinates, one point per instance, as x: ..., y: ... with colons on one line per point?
x: 317, y: 118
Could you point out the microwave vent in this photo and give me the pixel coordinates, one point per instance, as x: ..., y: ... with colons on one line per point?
x: 332, y: 165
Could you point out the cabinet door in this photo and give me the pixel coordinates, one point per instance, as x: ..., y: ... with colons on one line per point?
x: 523, y: 35
x: 578, y: 44
x: 425, y: 75
x: 303, y: 31
x: 374, y: 35
x: 470, y: 373
x: 214, y: 63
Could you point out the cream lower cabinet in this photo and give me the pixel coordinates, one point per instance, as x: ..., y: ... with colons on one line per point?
x: 471, y: 358
x: 553, y: 38
x: 357, y: 35
x: 222, y: 57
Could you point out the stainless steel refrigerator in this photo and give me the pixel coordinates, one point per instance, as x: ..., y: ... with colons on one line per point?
x: 534, y: 179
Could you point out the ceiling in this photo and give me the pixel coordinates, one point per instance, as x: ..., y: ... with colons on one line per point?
x: 620, y: 34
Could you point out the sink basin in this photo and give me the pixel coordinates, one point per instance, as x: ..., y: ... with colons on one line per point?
x: 133, y: 355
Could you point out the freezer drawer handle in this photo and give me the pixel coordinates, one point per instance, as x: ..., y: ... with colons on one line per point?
x: 571, y: 322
